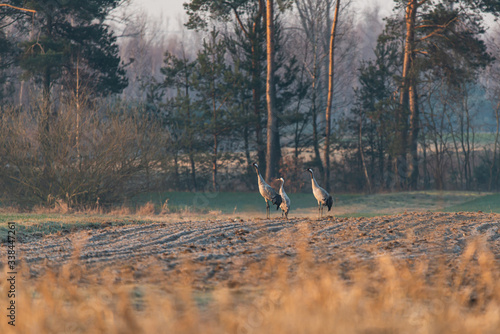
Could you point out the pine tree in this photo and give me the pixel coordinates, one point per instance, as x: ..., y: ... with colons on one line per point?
x: 211, y: 86
x: 249, y: 41
x: 372, y: 119
x: 431, y: 29
x: 72, y: 36
x: 179, y: 72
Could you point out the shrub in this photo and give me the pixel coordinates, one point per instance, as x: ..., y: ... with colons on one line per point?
x: 81, y: 156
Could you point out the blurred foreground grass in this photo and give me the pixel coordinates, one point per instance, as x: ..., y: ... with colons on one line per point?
x: 385, y: 295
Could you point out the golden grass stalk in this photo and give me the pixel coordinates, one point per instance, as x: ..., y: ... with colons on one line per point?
x: 386, y: 295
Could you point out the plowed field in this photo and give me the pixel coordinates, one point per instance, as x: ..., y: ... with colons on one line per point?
x: 223, y: 249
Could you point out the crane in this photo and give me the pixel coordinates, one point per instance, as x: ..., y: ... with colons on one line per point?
x: 267, y: 192
x: 285, y: 200
x: 321, y: 195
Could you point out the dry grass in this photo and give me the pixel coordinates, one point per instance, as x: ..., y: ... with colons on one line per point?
x: 58, y: 207
x: 147, y: 209
x: 120, y: 211
x: 385, y: 295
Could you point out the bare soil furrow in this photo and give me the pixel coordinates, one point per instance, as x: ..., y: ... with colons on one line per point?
x: 227, y: 247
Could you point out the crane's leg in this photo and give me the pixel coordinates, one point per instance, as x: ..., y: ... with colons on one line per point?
x: 267, y: 209
x: 319, y: 210
x: 286, y: 215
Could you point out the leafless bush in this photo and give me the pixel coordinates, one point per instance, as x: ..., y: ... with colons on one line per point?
x: 91, y: 156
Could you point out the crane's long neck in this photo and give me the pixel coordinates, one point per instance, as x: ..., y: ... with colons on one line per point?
x: 261, y: 179
x: 313, y: 180
x: 281, y: 188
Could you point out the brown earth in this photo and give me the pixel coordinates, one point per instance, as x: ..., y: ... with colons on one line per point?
x: 220, y: 251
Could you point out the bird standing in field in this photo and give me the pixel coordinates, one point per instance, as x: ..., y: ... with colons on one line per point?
x: 267, y: 192
x: 285, y: 200
x: 322, y: 196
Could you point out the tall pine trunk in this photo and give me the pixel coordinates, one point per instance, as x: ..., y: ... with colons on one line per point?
x: 404, y: 98
x: 330, y: 98
x: 272, y: 121
x: 414, y: 130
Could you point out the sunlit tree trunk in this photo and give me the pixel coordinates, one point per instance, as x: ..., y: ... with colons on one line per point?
x: 414, y: 131
x: 330, y: 98
x: 272, y: 121
x: 404, y: 97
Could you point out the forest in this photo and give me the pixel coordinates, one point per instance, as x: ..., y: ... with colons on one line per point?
x: 100, y: 102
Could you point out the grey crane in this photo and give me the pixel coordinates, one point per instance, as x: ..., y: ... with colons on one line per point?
x: 285, y: 200
x: 322, y: 196
x: 267, y: 192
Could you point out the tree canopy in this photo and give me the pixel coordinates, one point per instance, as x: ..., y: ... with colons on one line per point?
x: 72, y: 36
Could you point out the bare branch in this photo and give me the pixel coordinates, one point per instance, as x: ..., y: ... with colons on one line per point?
x: 18, y: 8
x: 237, y: 17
